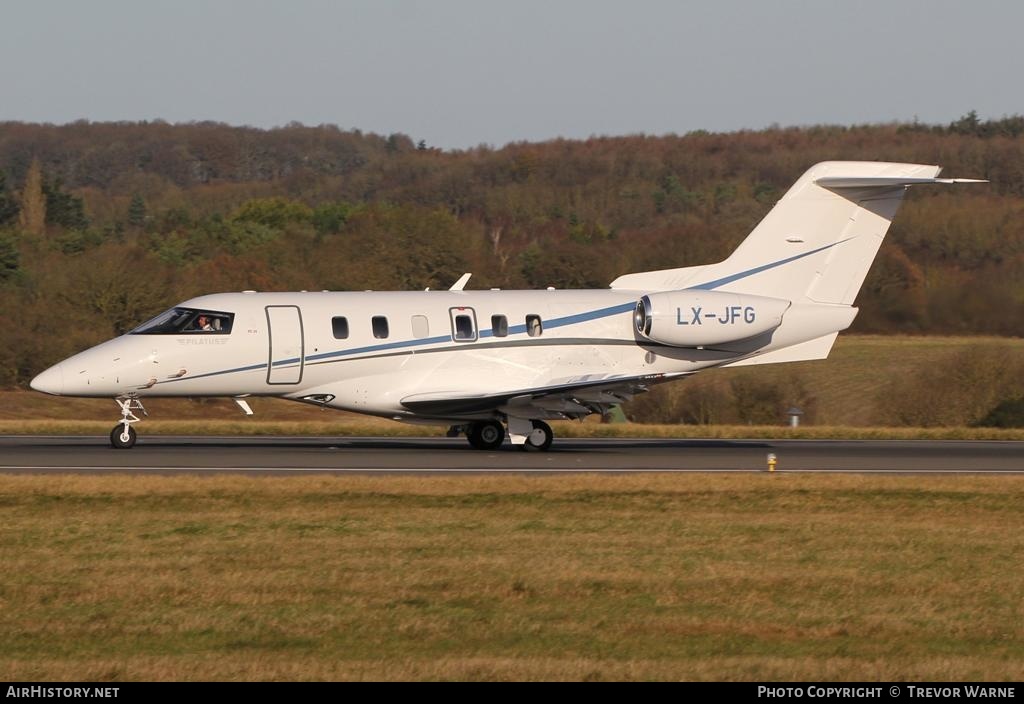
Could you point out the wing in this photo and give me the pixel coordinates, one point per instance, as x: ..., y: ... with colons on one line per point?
x: 571, y: 398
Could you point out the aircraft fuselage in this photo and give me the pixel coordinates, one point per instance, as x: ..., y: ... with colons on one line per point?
x: 287, y: 344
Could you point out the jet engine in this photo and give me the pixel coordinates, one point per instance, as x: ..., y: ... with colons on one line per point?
x: 705, y: 318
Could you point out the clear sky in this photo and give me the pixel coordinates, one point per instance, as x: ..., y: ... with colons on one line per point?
x: 458, y: 73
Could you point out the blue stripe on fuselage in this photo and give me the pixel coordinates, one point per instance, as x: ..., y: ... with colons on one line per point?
x: 517, y: 329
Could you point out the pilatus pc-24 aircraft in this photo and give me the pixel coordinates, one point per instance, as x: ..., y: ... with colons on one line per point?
x: 490, y: 361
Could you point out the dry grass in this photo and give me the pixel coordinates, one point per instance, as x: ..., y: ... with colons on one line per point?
x: 374, y: 427
x: 806, y: 432
x: 560, y: 577
x: 861, y: 368
x: 853, y: 386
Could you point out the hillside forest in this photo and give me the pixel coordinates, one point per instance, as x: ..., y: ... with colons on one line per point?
x: 105, y: 224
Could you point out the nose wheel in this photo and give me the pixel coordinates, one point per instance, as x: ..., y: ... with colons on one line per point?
x: 123, y: 436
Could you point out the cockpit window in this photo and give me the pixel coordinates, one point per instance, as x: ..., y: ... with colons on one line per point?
x: 187, y: 321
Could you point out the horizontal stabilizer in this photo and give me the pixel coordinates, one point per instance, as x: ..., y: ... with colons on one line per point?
x: 832, y: 182
x: 804, y: 352
x: 818, y: 242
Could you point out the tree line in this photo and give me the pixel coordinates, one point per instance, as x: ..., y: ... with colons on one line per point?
x: 104, y: 224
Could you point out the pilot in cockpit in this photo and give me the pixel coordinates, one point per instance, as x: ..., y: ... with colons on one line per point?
x: 204, y: 323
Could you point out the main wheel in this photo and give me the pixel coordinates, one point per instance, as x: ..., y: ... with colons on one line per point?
x: 540, y: 437
x: 486, y: 435
x: 123, y: 437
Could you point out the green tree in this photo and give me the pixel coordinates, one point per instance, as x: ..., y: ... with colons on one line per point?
x: 273, y: 212
x: 137, y: 211
x: 8, y: 204
x: 9, y: 258
x: 243, y: 236
x: 968, y: 124
x: 63, y: 208
x: 399, y: 143
x: 78, y: 241
x: 330, y: 218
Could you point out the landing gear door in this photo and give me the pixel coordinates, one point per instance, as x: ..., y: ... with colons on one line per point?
x: 284, y: 327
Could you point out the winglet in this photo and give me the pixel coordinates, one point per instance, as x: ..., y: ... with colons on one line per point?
x: 461, y: 283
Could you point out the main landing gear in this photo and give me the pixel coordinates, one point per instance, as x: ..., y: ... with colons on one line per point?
x: 486, y: 435
x: 123, y: 436
x: 530, y: 435
x: 540, y: 438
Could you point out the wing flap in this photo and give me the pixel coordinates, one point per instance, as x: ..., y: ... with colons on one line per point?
x: 571, y: 397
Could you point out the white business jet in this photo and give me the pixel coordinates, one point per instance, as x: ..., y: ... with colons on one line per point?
x: 486, y: 361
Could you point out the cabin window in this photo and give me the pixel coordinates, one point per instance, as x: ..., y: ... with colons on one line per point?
x: 339, y: 324
x: 187, y: 321
x: 534, y: 328
x: 499, y: 325
x: 420, y: 326
x: 463, y: 324
x: 380, y: 327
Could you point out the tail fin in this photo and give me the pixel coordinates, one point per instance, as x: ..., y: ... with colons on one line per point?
x: 815, y: 245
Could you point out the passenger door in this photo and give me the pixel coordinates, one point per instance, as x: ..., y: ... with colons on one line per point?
x: 284, y: 330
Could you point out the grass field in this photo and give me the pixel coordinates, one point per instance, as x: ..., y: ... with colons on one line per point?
x: 850, y: 385
x: 371, y: 427
x: 870, y: 380
x: 560, y: 577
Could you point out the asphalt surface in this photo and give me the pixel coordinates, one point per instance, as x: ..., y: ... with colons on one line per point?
x: 283, y: 455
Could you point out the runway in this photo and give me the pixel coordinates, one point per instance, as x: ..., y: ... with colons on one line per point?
x: 283, y: 455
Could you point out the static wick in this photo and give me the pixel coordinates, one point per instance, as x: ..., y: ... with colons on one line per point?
x: 772, y: 461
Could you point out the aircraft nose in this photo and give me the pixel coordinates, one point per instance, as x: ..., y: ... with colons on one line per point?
x: 50, y: 382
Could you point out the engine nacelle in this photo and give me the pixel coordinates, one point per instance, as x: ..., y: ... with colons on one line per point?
x: 706, y: 318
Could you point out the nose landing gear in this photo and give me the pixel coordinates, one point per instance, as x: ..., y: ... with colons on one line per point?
x: 123, y: 436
